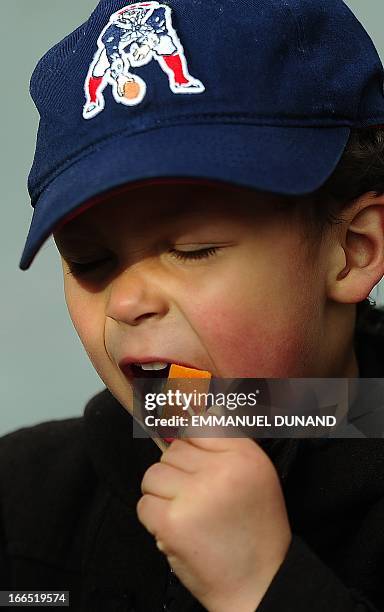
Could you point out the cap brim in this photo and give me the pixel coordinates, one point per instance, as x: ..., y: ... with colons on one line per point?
x: 281, y: 160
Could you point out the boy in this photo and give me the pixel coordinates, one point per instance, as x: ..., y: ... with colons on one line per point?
x: 233, y: 230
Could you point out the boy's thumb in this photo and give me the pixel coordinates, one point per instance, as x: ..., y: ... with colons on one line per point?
x: 211, y: 424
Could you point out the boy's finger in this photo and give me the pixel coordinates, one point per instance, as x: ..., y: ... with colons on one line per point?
x: 163, y: 480
x: 213, y: 437
x: 184, y: 456
x: 151, y: 511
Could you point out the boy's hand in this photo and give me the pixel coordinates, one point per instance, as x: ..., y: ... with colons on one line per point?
x: 217, y: 511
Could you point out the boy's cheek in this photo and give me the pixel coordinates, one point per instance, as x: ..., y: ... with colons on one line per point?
x: 87, y: 325
x: 243, y: 345
x: 89, y: 322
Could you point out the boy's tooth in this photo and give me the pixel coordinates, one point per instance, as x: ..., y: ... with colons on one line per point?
x: 153, y: 366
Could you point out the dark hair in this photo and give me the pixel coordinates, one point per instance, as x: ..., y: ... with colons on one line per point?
x: 359, y: 171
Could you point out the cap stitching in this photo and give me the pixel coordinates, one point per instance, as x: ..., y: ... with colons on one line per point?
x: 334, y: 122
x: 173, y: 122
x: 303, y: 48
x: 299, y: 29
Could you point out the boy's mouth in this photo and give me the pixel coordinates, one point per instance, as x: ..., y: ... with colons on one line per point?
x: 149, y: 368
x: 152, y: 370
x: 143, y: 377
x: 156, y: 377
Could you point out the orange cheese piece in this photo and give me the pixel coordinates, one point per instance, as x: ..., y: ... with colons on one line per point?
x: 177, y: 371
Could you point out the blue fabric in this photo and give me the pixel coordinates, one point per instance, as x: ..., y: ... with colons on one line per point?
x: 285, y: 81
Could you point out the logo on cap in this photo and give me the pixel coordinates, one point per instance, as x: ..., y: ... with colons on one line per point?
x: 133, y: 37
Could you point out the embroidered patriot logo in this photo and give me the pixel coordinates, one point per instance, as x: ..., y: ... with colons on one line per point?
x: 133, y: 37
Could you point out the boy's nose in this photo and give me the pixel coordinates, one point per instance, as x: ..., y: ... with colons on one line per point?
x: 136, y: 295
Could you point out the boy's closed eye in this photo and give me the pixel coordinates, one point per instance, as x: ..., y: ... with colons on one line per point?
x: 184, y: 253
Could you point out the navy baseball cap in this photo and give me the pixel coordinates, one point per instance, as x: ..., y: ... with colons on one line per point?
x: 257, y: 93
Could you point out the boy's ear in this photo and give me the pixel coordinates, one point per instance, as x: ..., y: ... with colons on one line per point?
x: 357, y: 252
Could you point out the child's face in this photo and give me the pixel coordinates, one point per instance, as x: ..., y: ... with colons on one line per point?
x: 219, y: 279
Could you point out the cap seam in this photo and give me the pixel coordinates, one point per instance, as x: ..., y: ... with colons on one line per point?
x: 303, y: 47
x: 299, y: 29
x: 174, y: 122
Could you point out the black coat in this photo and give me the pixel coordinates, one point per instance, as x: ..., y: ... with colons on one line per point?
x: 68, y: 495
